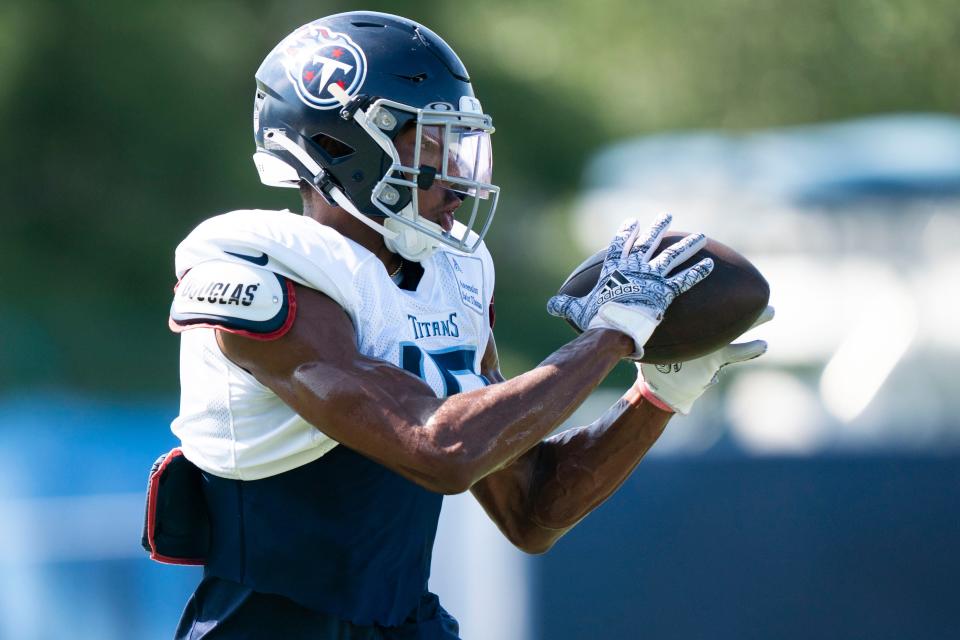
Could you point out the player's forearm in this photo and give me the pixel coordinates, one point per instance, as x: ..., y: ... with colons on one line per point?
x: 547, y: 492
x: 490, y: 427
x: 580, y: 468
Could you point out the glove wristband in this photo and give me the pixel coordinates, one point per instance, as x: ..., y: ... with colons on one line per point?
x: 647, y: 394
x: 626, y: 319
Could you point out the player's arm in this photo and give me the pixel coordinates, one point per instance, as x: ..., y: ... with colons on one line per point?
x: 393, y: 417
x: 547, y: 490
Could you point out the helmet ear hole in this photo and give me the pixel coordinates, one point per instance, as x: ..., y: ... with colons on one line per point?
x: 332, y: 148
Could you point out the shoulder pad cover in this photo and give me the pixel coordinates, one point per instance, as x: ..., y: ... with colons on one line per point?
x: 234, y: 297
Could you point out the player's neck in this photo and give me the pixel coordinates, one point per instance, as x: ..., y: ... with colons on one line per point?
x: 346, y: 225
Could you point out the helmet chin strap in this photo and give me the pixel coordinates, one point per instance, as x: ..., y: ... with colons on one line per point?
x: 338, y: 196
x: 407, y: 241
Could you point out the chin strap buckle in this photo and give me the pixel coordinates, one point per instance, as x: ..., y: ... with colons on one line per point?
x: 322, y: 182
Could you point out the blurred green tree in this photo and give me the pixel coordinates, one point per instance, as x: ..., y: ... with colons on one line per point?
x: 128, y: 123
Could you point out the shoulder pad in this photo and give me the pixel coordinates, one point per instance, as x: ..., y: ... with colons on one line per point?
x: 288, y: 244
x: 234, y: 297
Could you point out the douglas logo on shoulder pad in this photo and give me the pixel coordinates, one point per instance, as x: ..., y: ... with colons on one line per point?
x: 315, y: 58
x: 240, y: 294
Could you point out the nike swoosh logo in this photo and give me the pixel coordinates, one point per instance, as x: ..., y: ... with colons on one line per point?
x: 260, y: 260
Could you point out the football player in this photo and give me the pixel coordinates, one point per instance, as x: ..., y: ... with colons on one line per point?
x: 338, y: 368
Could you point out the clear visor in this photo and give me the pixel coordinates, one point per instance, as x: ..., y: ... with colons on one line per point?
x: 461, y: 156
x: 445, y: 159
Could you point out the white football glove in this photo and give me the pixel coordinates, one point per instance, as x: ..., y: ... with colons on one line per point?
x: 633, y: 291
x: 678, y: 385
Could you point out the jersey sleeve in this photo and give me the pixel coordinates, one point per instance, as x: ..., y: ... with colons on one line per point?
x: 238, y: 298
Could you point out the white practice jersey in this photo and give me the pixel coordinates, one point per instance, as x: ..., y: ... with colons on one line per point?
x: 232, y: 426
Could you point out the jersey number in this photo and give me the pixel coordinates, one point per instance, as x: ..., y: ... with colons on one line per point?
x: 455, y: 365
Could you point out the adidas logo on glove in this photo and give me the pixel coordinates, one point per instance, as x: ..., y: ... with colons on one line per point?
x: 616, y: 286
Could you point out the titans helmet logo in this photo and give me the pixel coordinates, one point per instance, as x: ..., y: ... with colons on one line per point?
x: 315, y: 58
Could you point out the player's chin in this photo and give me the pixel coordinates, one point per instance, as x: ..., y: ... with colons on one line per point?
x: 444, y: 214
x: 446, y: 221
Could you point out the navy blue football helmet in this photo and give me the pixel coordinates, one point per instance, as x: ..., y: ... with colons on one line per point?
x: 331, y: 100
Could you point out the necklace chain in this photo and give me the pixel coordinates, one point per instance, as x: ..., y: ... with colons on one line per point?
x: 394, y: 275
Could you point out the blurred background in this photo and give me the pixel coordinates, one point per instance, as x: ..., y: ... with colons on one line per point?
x: 815, y: 493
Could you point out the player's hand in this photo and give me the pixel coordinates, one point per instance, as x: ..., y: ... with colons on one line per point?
x: 679, y: 385
x: 633, y: 291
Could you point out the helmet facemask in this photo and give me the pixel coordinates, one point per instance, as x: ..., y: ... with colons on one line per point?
x: 450, y: 149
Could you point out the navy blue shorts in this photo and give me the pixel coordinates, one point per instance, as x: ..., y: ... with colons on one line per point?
x: 223, y: 610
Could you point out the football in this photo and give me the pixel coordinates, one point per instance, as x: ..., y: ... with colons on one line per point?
x: 709, y: 316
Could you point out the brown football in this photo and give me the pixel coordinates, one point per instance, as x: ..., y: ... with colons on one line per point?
x: 712, y: 314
